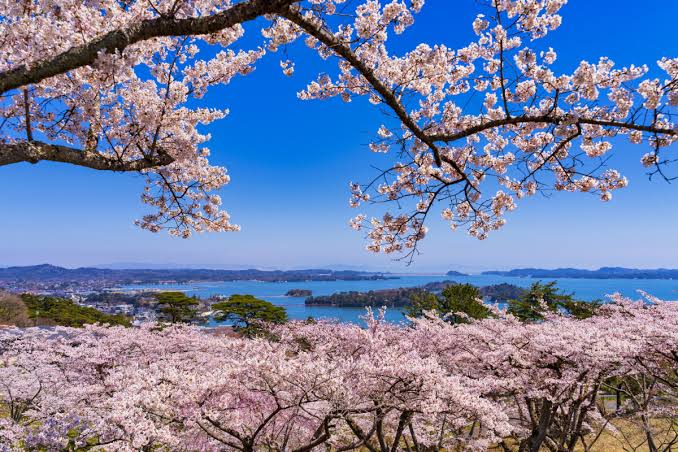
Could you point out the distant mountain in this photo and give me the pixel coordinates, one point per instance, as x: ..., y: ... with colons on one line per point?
x: 173, y: 265
x: 455, y: 273
x: 52, y: 273
x: 601, y: 273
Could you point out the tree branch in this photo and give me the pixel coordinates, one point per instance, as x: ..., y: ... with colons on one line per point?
x: 35, y: 151
x: 27, y: 113
x: 384, y: 91
x: 118, y: 40
x: 548, y: 119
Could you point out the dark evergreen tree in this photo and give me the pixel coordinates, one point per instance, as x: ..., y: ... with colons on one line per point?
x: 43, y: 310
x: 177, y: 307
x: 532, y: 305
x: 458, y: 303
x: 249, y: 315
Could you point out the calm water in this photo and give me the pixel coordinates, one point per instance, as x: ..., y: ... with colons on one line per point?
x: 584, y: 289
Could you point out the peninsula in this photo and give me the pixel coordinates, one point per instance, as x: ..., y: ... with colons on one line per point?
x: 601, y: 273
x: 402, y: 296
x: 48, y: 277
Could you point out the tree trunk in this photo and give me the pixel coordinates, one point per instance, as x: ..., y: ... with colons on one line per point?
x: 535, y: 440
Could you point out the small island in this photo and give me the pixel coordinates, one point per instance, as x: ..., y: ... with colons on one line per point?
x: 299, y: 293
x: 455, y: 273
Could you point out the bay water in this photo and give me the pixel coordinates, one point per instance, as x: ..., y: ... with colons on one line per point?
x: 583, y: 289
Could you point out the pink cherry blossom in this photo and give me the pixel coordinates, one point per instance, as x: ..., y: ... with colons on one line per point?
x: 383, y: 387
x: 107, y: 85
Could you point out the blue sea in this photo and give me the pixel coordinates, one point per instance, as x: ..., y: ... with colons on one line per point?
x: 583, y: 289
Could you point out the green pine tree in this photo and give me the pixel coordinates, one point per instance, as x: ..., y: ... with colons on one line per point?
x: 177, y: 307
x: 249, y: 315
x: 454, y: 300
x: 530, y: 308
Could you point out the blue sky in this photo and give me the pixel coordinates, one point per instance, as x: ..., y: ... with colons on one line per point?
x: 290, y: 163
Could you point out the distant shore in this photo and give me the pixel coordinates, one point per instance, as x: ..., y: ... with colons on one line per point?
x: 601, y: 273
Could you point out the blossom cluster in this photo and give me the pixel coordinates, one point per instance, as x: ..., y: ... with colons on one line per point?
x: 317, y: 385
x: 534, y: 129
x: 129, y: 106
x: 476, y: 128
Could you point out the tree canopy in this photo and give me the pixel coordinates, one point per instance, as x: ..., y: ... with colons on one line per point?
x: 248, y: 314
x: 495, y: 384
x: 44, y: 310
x: 177, y: 307
x: 110, y: 86
x: 458, y: 303
x: 13, y: 311
x: 547, y: 297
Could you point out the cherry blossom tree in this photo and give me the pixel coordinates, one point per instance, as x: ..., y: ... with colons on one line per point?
x: 648, y: 386
x: 140, y: 389
x: 431, y: 385
x: 106, y: 85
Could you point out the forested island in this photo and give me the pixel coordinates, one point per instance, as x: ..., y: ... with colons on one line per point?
x: 402, y: 296
x: 455, y: 273
x: 601, y: 273
x: 299, y: 293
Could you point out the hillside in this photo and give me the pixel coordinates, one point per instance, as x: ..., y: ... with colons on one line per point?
x: 601, y: 273
x: 13, y: 311
x: 34, y: 310
x: 52, y: 273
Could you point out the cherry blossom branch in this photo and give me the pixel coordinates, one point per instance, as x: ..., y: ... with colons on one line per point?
x: 128, y: 108
x: 328, y: 39
x: 35, y: 151
x: 118, y: 40
x: 27, y: 112
x: 547, y: 119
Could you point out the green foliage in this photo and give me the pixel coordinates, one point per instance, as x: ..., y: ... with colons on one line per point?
x: 420, y: 302
x: 463, y: 298
x: 530, y: 307
x: 249, y: 314
x: 457, y: 303
x: 581, y: 309
x: 59, y: 311
x: 177, y: 307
